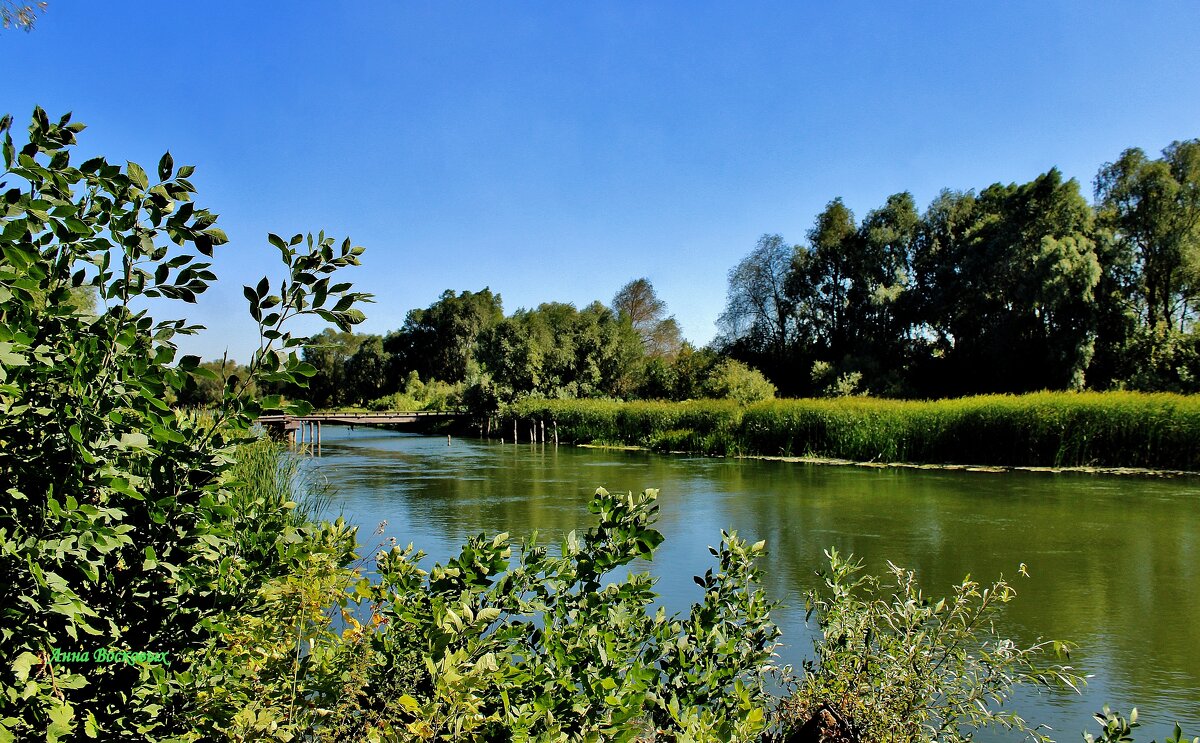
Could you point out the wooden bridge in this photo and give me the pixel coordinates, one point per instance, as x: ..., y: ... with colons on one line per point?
x: 307, y: 428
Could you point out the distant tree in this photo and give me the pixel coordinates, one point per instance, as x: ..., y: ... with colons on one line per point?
x: 689, y: 371
x: 1153, y: 210
x: 441, y: 341
x: 1010, y: 279
x: 206, y: 388
x: 637, y: 302
x: 328, y: 352
x: 20, y: 15
x: 759, y: 309
x: 366, y: 371
x: 833, y: 272
x: 559, y: 351
x: 882, y: 303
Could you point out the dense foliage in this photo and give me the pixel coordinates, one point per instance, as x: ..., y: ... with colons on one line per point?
x: 540, y: 645
x: 1110, y: 429
x: 121, y: 526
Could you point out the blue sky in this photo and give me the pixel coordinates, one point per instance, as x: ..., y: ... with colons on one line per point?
x: 556, y: 150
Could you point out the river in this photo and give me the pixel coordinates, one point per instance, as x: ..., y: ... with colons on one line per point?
x: 1113, y: 562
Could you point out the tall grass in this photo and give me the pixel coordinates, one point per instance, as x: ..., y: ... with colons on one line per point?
x: 1108, y: 429
x: 274, y: 497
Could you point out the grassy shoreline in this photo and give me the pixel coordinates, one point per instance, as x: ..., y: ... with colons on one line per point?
x: 1090, y: 431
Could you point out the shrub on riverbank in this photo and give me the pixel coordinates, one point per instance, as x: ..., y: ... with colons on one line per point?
x: 894, y: 664
x: 1109, y: 429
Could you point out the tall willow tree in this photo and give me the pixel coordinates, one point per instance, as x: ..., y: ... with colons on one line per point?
x: 1012, y: 275
x: 638, y: 303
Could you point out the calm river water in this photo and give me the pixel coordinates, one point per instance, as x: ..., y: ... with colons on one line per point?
x: 1114, y: 563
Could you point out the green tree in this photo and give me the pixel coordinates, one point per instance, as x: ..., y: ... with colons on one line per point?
x: 637, y: 302
x: 366, y: 370
x: 441, y: 341
x: 1153, y: 209
x: 760, y: 324
x: 730, y: 379
x: 558, y: 351
x: 1009, y: 284
x: 834, y: 272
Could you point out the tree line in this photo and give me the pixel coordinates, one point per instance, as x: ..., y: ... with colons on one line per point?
x: 1014, y: 288
x: 463, y: 350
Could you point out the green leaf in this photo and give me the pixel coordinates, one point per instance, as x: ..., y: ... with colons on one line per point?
x: 136, y: 174
x: 61, y: 724
x: 76, y: 225
x: 218, y: 235
x: 8, y: 357
x: 22, y: 664
x: 134, y: 440
x: 165, y: 166
x: 90, y: 726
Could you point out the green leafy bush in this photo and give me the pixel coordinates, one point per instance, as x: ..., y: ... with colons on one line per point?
x: 895, y: 665
x: 540, y: 645
x: 119, y: 527
x: 732, y: 380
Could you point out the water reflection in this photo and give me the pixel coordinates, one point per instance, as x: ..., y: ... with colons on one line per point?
x: 1113, y: 561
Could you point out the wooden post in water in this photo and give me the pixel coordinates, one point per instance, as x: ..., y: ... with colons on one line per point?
x: 542, y: 432
x: 555, y: 431
x: 515, y: 441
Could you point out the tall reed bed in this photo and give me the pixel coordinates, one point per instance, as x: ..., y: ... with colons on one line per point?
x: 276, y: 501
x: 1108, y: 429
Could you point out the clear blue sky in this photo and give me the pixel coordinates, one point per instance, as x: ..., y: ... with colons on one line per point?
x: 556, y: 150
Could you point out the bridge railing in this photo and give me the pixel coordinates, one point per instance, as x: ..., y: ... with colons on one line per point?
x: 360, y: 416
x: 384, y: 414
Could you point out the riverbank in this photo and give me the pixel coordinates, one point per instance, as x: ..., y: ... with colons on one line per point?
x: 1111, y: 432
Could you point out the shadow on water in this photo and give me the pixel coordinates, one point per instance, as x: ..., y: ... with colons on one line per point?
x: 1114, y: 562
